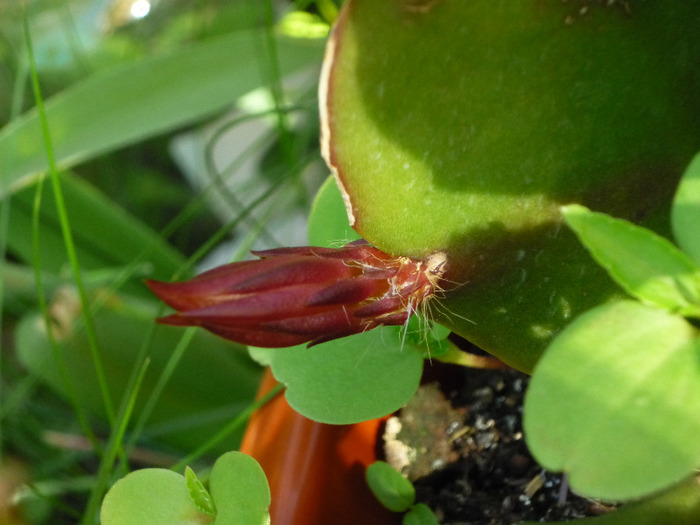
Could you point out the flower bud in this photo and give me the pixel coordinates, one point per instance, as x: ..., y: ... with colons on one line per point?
x: 301, y: 295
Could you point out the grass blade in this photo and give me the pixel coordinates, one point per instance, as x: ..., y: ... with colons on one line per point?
x: 67, y: 234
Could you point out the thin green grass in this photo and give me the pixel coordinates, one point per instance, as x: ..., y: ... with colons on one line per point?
x: 218, y: 177
x: 205, y: 248
x: 67, y: 232
x: 229, y: 429
x: 5, y: 204
x: 163, y: 379
x: 41, y: 296
x: 113, y: 449
x: 118, y: 426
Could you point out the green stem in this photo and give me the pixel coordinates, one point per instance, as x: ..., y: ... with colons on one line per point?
x: 275, y: 84
x: 163, y: 379
x: 455, y: 356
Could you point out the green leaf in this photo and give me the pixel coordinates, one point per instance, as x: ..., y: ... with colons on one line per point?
x: 152, y: 496
x: 240, y: 490
x: 420, y: 514
x: 240, y: 495
x: 614, y: 402
x: 392, y: 490
x: 348, y: 380
x: 328, y: 221
x: 685, y: 213
x: 199, y: 495
x: 646, y: 265
x: 138, y: 100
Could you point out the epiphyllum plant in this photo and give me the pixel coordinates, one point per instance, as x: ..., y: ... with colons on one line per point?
x: 463, y: 128
x: 307, y: 294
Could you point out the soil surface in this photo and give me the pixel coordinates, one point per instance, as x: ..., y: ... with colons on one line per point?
x: 460, y: 440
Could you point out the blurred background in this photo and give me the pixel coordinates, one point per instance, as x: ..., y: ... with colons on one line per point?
x: 175, y: 135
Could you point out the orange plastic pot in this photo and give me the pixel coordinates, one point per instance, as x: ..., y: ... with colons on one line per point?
x: 316, y: 471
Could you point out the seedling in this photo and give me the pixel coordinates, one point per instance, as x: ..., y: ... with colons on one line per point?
x: 398, y: 494
x: 238, y: 494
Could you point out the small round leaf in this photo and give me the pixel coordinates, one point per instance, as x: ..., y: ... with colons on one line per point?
x: 615, y: 402
x: 151, y: 496
x: 348, y: 380
x: 393, y: 491
x: 240, y: 490
x: 420, y: 514
x: 685, y: 213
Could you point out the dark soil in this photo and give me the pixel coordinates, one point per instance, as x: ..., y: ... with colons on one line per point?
x: 462, y: 444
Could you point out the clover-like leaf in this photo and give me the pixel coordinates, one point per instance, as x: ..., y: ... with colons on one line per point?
x: 239, y: 495
x: 240, y: 490
x: 348, y: 380
x: 151, y: 496
x: 392, y: 490
x: 614, y: 402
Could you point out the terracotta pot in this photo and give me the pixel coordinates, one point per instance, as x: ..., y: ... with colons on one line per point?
x: 316, y: 471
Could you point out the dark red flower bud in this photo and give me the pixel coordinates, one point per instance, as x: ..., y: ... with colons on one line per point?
x: 307, y: 294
